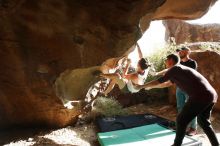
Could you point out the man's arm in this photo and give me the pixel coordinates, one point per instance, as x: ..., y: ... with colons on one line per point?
x: 161, y: 85
x: 160, y: 73
x: 154, y: 84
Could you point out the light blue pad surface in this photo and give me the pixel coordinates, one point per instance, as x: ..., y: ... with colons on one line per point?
x: 149, y: 135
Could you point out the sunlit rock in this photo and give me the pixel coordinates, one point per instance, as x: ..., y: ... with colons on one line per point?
x: 190, y: 33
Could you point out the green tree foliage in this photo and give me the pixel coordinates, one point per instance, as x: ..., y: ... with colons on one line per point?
x: 157, y: 59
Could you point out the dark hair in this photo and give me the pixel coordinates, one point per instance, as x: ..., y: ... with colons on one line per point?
x: 174, y: 57
x: 143, y: 63
x: 183, y: 48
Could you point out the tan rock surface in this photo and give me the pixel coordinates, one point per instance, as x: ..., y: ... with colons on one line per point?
x: 191, y: 33
x: 41, y: 39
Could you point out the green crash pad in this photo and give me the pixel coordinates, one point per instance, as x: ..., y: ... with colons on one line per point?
x: 151, y: 135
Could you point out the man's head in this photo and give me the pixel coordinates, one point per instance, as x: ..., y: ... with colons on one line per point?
x: 143, y: 64
x: 171, y: 60
x: 183, y: 52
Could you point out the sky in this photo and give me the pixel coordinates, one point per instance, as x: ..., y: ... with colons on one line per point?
x: 212, y: 16
x: 151, y: 41
x: 153, y: 38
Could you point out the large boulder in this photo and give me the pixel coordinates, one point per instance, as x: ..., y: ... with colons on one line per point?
x: 41, y: 39
x: 184, y: 32
x: 208, y: 66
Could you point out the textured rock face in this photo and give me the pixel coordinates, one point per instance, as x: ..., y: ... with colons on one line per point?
x: 74, y: 84
x: 208, y: 66
x: 185, y: 32
x: 41, y: 39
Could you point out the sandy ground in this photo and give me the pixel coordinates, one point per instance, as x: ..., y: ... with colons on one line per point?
x: 85, y: 135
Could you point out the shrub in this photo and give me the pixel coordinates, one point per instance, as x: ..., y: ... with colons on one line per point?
x: 157, y: 59
x: 108, y: 107
x: 212, y: 46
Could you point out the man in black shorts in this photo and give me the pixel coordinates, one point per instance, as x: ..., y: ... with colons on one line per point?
x: 202, y: 97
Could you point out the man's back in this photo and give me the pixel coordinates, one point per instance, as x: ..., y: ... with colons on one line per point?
x: 192, y: 82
